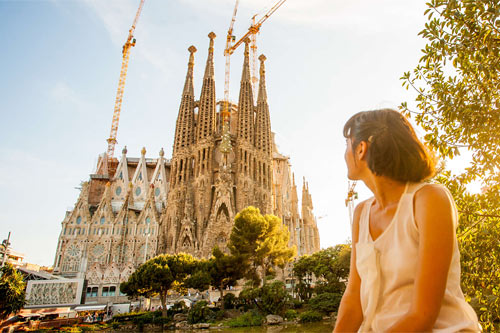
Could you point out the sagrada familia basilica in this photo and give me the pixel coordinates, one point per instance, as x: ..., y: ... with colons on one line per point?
x: 133, y: 208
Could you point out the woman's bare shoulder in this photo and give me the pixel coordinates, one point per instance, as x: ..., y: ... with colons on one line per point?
x: 431, y: 192
x: 434, y: 204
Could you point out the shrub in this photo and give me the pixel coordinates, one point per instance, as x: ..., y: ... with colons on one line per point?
x: 70, y: 329
x: 146, y: 318
x: 290, y: 314
x: 229, y: 301
x: 150, y: 318
x: 159, y: 320
x: 296, y: 303
x: 325, y: 303
x: 216, y: 315
x: 310, y: 316
x: 251, y: 318
x: 199, y: 313
x: 271, y: 298
x: 127, y: 316
x: 115, y: 325
x: 179, y: 307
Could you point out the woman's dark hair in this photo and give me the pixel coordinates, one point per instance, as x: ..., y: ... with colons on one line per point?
x: 394, y: 150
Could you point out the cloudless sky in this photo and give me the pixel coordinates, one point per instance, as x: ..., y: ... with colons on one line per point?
x: 59, y: 70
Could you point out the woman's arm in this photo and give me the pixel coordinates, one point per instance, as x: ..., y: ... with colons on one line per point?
x: 350, y: 314
x: 435, y: 218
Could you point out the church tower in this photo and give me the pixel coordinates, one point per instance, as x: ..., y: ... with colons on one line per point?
x: 142, y: 207
x: 309, y: 229
x: 262, y: 141
x: 203, y: 151
x: 176, y: 220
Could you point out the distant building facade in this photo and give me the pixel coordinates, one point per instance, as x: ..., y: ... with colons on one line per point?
x: 135, y: 208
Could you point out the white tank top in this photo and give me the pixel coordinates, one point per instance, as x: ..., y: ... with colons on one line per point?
x: 388, y: 267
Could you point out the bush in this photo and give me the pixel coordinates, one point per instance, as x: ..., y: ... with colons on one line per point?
x: 290, y: 314
x: 325, y: 303
x: 296, y: 303
x: 251, y: 318
x: 217, y: 315
x: 150, y: 318
x: 160, y: 321
x: 310, y: 316
x: 179, y: 307
x: 229, y: 301
x: 146, y: 318
x: 127, y: 316
x: 271, y: 298
x: 199, y: 313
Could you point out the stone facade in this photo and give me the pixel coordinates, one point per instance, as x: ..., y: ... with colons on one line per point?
x: 135, y: 208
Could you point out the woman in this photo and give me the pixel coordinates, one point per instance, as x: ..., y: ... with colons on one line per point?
x: 405, y: 265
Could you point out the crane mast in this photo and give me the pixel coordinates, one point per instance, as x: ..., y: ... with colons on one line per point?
x: 121, y: 84
x: 230, y: 48
x: 253, y: 52
x: 229, y: 40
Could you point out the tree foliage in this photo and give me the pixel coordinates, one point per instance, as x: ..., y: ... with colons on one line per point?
x: 325, y: 303
x: 458, y: 81
x: 271, y: 298
x: 12, y: 291
x: 260, y: 242
x: 220, y: 271
x: 158, y: 275
x: 458, y: 101
x: 329, y: 268
x: 478, y: 237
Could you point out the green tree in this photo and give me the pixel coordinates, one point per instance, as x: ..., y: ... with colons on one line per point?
x: 261, y: 242
x: 458, y: 81
x: 221, y: 270
x: 271, y: 298
x: 158, y: 275
x: 330, y: 267
x: 478, y: 234
x: 458, y: 102
x: 12, y: 291
x: 303, y: 273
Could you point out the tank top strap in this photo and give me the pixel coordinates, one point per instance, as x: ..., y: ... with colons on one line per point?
x: 414, y: 187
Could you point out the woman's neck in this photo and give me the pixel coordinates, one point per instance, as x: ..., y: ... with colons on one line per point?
x: 386, y: 191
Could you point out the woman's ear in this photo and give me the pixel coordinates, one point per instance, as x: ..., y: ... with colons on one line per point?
x: 361, y: 150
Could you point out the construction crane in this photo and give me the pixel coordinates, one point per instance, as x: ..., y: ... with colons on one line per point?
x: 349, y: 201
x: 253, y: 52
x: 227, y: 53
x: 121, y: 84
x: 230, y: 48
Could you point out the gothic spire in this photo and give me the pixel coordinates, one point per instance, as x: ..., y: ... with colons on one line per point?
x: 306, y: 196
x: 184, y: 129
x: 262, y: 121
x: 262, y: 97
x: 245, y: 103
x: 206, y: 115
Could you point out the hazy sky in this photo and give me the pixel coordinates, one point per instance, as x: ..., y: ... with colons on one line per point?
x: 59, y: 69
